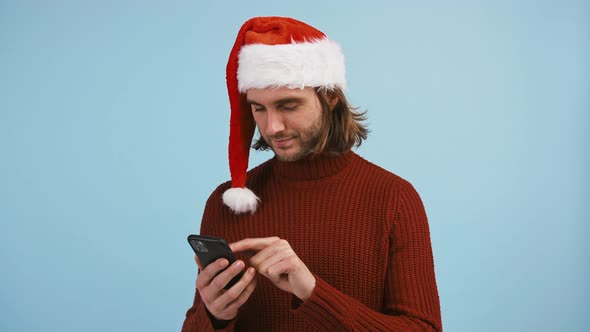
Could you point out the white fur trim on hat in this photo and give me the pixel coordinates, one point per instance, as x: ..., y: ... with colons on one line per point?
x: 240, y: 200
x: 318, y: 63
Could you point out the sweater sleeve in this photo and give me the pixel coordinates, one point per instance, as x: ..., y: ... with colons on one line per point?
x: 411, y: 301
x: 198, y: 318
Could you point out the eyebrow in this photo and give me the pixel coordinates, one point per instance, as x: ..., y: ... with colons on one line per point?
x: 278, y: 103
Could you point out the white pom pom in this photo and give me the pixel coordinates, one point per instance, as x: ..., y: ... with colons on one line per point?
x: 240, y: 200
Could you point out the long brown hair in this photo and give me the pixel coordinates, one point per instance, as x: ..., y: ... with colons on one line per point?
x: 342, y: 127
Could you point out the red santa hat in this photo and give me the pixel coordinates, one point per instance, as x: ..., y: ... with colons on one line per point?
x: 272, y: 52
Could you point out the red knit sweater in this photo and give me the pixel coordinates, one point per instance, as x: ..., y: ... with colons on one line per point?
x: 362, y: 232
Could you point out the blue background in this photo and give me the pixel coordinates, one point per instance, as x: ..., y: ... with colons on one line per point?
x: 113, y: 132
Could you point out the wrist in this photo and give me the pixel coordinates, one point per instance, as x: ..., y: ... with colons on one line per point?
x: 218, y: 323
x: 307, y: 291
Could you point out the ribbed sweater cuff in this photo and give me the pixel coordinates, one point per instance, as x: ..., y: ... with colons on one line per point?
x: 203, y: 321
x: 327, y: 309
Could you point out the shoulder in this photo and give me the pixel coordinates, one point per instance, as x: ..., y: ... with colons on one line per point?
x: 253, y: 178
x: 373, y: 172
x: 217, y: 217
x: 378, y: 177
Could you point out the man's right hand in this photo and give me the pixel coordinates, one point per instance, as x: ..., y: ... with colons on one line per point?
x: 223, y: 304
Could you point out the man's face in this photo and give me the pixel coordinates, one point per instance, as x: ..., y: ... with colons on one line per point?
x: 289, y: 120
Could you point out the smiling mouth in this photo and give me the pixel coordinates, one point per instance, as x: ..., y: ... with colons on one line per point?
x: 282, y: 142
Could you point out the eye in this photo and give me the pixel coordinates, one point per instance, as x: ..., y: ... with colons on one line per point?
x: 289, y: 107
x: 257, y: 108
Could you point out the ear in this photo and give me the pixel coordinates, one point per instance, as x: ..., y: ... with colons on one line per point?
x: 332, y: 101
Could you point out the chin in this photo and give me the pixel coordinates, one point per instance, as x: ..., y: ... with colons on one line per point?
x: 287, y: 157
x: 293, y: 156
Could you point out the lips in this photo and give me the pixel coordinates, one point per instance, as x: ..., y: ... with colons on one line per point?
x: 283, y: 142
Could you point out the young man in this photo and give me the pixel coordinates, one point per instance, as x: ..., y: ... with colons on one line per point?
x: 332, y: 241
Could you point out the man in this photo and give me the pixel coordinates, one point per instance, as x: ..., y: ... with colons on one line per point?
x: 332, y: 241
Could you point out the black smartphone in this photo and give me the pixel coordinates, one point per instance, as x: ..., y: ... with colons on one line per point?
x: 209, y: 249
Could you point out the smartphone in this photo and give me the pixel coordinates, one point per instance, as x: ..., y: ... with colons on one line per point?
x: 209, y: 249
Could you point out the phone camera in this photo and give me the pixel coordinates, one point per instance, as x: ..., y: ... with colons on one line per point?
x: 200, y: 246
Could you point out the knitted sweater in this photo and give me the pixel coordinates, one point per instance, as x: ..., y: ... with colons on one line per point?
x: 361, y: 230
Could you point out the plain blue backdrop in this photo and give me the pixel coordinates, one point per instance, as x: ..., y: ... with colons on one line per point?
x: 113, y: 132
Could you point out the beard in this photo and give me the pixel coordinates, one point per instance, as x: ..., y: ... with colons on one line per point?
x: 307, y: 139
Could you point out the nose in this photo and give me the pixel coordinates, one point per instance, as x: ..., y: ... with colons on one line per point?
x: 274, y: 122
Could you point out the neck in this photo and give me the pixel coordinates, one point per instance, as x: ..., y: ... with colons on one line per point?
x: 312, y: 167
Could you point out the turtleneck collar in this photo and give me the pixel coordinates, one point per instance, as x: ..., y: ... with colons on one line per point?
x: 313, y: 167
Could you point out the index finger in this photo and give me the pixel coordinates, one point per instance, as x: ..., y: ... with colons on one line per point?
x: 255, y: 244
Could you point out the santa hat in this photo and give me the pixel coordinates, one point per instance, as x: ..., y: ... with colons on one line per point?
x: 272, y: 52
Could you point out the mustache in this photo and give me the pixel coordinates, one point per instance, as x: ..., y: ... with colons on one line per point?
x: 281, y: 136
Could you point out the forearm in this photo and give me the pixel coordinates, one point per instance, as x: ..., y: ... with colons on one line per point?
x: 330, y: 310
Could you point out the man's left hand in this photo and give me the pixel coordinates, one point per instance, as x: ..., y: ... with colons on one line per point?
x: 275, y: 259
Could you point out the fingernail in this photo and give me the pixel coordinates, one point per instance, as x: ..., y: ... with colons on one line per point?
x: 251, y: 270
x: 240, y: 264
x: 223, y: 263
